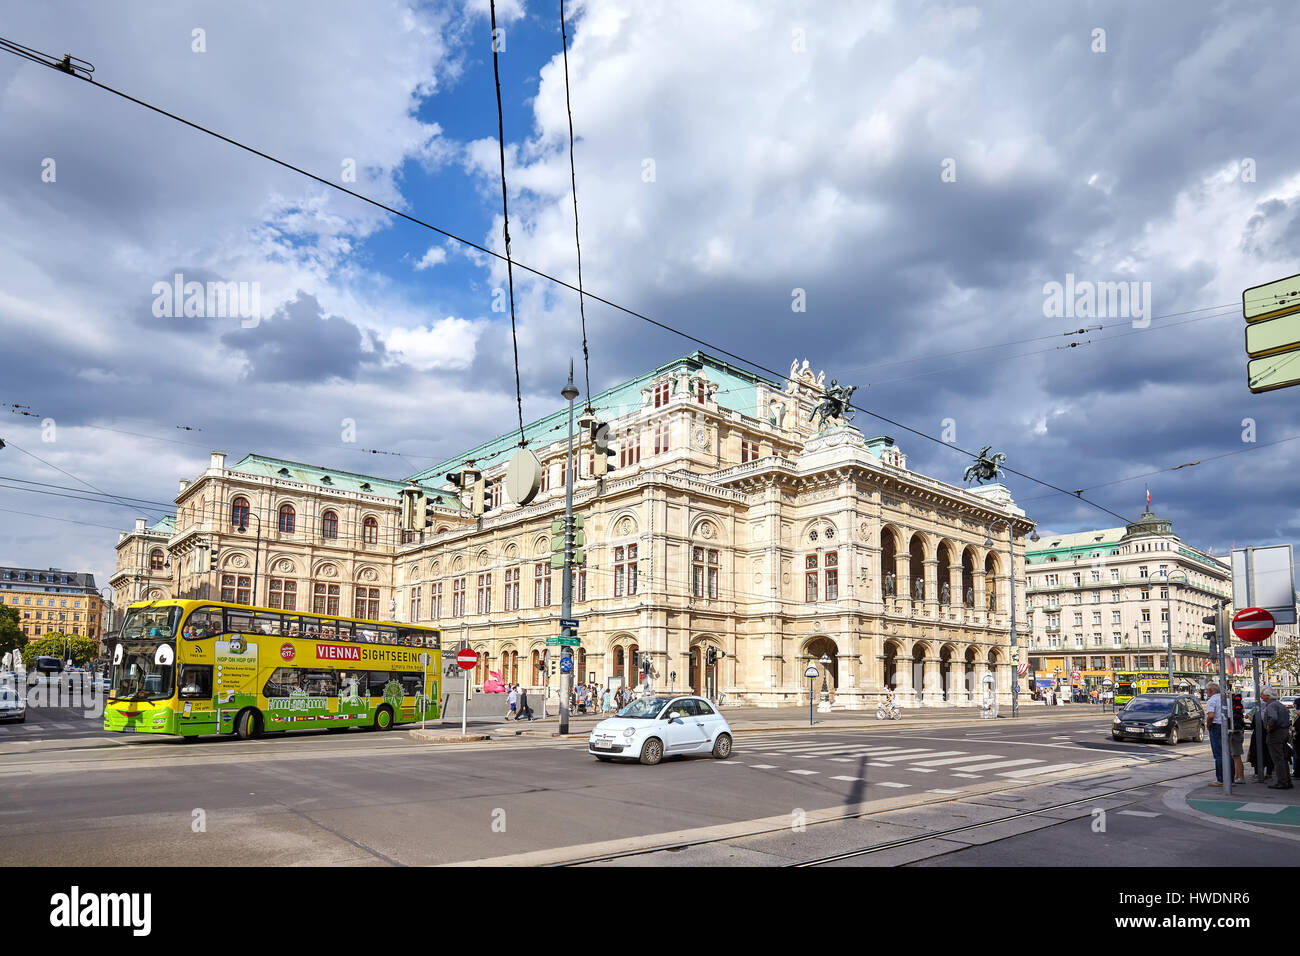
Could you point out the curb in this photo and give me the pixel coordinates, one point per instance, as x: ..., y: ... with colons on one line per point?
x: 434, y: 738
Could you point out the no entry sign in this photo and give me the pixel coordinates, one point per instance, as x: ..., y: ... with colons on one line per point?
x: 467, y: 659
x: 1253, y: 624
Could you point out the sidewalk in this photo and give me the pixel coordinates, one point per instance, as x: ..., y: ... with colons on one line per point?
x: 1250, y: 802
x: 758, y: 719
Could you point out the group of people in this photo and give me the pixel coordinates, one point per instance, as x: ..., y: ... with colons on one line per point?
x: 1280, y: 744
x: 589, y: 698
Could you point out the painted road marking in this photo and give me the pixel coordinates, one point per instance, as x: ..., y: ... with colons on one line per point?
x: 1137, y: 813
x: 762, y: 766
x: 949, y: 760
x: 943, y: 791
x: 1004, y: 763
x: 803, y: 772
x: 1262, y: 807
x: 1035, y: 771
x: 898, y: 786
x: 920, y: 770
x: 968, y: 776
x: 925, y: 756
x: 848, y: 779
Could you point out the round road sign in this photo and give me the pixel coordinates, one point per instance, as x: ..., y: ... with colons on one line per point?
x: 467, y: 659
x: 1253, y: 624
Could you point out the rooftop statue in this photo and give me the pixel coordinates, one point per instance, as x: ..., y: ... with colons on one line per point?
x: 835, y: 404
x: 986, y: 467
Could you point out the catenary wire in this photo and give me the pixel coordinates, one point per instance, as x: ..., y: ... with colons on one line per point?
x: 573, y: 182
x: 7, y: 45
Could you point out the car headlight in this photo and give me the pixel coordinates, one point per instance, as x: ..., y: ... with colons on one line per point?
x: 1161, y: 723
x: 629, y: 732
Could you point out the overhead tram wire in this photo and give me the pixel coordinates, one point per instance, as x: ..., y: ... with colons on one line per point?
x: 83, y: 73
x: 573, y: 181
x: 9, y: 444
x: 505, y: 221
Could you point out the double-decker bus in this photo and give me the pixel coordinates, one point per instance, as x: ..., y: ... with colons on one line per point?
x: 1129, y: 684
x: 191, y: 668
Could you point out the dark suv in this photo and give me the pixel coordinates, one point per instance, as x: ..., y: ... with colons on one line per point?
x: 1167, y: 717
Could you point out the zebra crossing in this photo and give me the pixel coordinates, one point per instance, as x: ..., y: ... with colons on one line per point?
x: 780, y: 753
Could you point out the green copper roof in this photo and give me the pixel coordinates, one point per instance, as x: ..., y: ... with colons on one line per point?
x: 736, y: 390
x: 333, y: 478
x: 164, y: 525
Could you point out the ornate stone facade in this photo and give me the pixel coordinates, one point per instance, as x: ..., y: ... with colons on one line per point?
x: 726, y: 523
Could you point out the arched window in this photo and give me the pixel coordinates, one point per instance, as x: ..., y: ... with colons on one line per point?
x: 286, y: 518
x: 239, y: 513
x: 156, y: 559
x: 329, y: 525
x: 370, y: 531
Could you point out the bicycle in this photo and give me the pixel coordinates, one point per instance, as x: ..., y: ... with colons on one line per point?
x: 888, y: 713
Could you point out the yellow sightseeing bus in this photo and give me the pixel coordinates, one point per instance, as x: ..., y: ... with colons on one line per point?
x: 190, y: 668
x: 1129, y: 684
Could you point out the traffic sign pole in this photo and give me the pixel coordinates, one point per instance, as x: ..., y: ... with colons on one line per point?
x: 466, y: 658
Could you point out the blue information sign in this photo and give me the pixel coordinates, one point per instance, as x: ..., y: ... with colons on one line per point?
x: 566, y: 622
x: 566, y: 665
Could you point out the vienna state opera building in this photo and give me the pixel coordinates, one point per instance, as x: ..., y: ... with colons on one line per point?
x: 726, y: 521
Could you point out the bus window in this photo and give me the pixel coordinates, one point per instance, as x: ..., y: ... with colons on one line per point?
x: 327, y: 630
x: 264, y: 623
x: 239, y: 622
x: 196, y: 682
x: 205, y: 622
x: 388, y: 635
x: 343, y: 630
x: 412, y: 684
x: 366, y: 634
x: 320, y: 683
x: 378, y: 681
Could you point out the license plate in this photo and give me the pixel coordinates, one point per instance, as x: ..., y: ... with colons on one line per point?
x: 1133, y: 730
x: 128, y: 729
x: 604, y: 744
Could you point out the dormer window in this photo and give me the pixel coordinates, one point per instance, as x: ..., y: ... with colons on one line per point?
x: 365, y: 486
x: 326, y: 480
x: 284, y: 472
x: 699, y: 390
x: 661, y: 394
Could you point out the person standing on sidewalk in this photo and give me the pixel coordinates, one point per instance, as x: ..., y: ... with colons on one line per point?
x: 1213, y: 722
x: 1277, y: 726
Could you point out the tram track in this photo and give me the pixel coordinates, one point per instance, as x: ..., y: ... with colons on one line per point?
x: 889, y: 844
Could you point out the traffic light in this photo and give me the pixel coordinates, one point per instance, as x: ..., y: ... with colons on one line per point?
x: 478, y: 499
x: 711, y: 657
x: 212, y: 556
x: 600, y: 438
x: 1238, y: 712
x: 415, y: 508
x: 574, y: 542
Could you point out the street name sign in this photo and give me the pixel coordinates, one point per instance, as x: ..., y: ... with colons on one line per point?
x: 564, y: 640
x: 1254, y: 651
x: 1272, y: 314
x: 566, y: 622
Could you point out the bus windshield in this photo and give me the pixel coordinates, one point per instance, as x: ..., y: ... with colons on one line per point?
x: 139, y: 675
x: 151, y: 623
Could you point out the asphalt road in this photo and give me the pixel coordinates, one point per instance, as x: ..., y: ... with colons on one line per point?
x: 79, y: 796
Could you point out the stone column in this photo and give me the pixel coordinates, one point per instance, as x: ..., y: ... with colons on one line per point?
x: 903, y: 677
x: 956, y: 598
x: 931, y: 567
x: 981, y: 602
x: 931, y: 680
x: 903, y: 589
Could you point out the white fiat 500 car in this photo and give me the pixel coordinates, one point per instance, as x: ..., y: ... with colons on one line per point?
x: 652, y: 728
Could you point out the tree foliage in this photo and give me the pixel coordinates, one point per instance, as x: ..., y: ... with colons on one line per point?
x: 82, y: 650
x: 1288, y: 658
x: 11, y: 635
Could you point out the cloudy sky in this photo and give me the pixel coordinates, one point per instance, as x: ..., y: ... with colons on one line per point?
x: 921, y: 171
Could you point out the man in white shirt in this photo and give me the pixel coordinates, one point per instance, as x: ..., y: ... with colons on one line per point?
x: 1213, y: 722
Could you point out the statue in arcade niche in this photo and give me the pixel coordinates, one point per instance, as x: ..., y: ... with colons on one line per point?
x: 945, y: 594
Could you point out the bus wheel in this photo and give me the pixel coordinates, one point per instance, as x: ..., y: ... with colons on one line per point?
x: 383, y: 719
x: 248, y: 725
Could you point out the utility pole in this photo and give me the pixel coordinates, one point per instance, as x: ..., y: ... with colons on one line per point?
x: 570, y: 392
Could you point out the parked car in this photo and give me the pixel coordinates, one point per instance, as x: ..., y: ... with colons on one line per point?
x: 12, y: 705
x: 1170, y: 717
x: 652, y: 728
x: 1289, y: 700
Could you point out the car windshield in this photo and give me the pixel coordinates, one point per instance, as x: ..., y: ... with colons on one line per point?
x: 8, y: 694
x: 140, y: 676
x: 647, y: 708
x: 1138, y: 707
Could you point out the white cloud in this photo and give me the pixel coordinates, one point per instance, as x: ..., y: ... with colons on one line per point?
x: 447, y: 344
x: 436, y: 255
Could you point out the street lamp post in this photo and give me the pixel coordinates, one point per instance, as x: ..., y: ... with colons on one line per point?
x: 825, y: 705
x: 569, y: 392
x: 257, y: 551
x: 1011, y: 559
x: 1169, y: 623
x: 811, y: 674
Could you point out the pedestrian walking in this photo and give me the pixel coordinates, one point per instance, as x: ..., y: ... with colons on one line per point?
x: 1213, y: 724
x: 524, y: 709
x: 513, y: 700
x: 1277, y: 726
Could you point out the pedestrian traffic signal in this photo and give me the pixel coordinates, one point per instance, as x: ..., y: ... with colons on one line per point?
x: 212, y: 557
x: 478, y: 496
x: 1238, y: 712
x: 712, y: 656
x: 415, y: 508
x: 600, y: 438
x: 571, y: 541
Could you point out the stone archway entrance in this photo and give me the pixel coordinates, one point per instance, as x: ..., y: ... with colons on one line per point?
x: 825, y: 646
x: 918, y: 671
x: 946, y: 675
x: 968, y: 673
x: 889, y: 666
x: 703, y: 679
